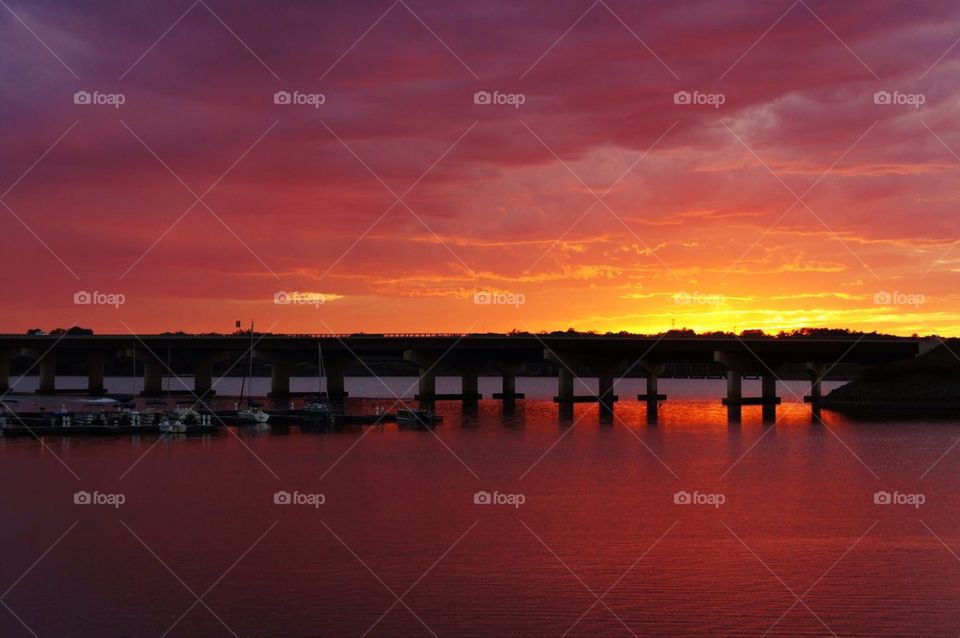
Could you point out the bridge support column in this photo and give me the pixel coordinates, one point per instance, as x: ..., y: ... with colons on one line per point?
x: 48, y: 375
x: 335, y: 369
x: 605, y: 396
x: 5, y: 371
x: 652, y: 371
x: 653, y: 397
x: 816, y: 372
x: 652, y: 393
x: 734, y: 399
x: 152, y: 378
x: 468, y: 367
x: 508, y: 392
x: 602, y: 365
x: 427, y: 388
x: 509, y: 371
x: 564, y: 385
x: 736, y: 364
x: 95, y: 373
x: 279, y: 379
x: 426, y: 363
x: 768, y: 385
x: 605, y: 389
x: 734, y: 386
x: 470, y: 386
x: 203, y: 377
x: 508, y: 385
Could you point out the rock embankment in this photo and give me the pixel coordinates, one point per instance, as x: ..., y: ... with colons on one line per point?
x: 928, y: 382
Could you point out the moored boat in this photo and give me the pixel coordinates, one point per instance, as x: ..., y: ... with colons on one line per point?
x: 252, y: 415
x: 420, y: 418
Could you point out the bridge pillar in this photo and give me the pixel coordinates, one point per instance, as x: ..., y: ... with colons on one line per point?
x: 653, y: 398
x: 5, y: 371
x: 48, y: 375
x: 427, y: 389
x: 508, y: 392
x: 605, y: 388
x: 508, y: 385
x: 470, y: 385
x: 603, y: 365
x: 652, y: 372
x: 652, y: 393
x: 152, y: 378
x: 508, y: 371
x: 95, y: 373
x: 734, y: 400
x: 736, y: 364
x: 279, y: 379
x: 816, y: 371
x: 426, y: 363
x: 564, y: 385
x: 734, y: 385
x: 768, y: 385
x: 335, y: 369
x: 203, y: 377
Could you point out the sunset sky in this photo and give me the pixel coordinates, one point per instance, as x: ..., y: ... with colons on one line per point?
x: 597, y: 203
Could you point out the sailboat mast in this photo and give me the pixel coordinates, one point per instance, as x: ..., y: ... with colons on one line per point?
x: 250, y: 391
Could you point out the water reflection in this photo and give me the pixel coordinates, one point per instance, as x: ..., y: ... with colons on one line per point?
x: 798, y: 494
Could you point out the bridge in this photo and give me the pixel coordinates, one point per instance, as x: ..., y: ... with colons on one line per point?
x: 606, y: 357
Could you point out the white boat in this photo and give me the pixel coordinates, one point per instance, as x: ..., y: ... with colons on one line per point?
x: 318, y: 407
x: 253, y: 415
x: 416, y: 417
x: 100, y: 401
x: 182, y: 413
x: 172, y: 427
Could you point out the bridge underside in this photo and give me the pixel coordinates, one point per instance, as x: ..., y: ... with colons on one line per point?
x: 571, y: 358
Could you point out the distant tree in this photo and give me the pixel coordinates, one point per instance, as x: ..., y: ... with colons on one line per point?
x: 76, y: 330
x: 680, y: 332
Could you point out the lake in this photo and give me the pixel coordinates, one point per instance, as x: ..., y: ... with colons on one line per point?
x: 495, y: 523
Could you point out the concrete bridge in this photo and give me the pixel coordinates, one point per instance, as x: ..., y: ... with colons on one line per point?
x: 606, y: 357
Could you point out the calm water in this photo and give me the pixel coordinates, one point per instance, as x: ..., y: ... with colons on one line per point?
x: 598, y: 519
